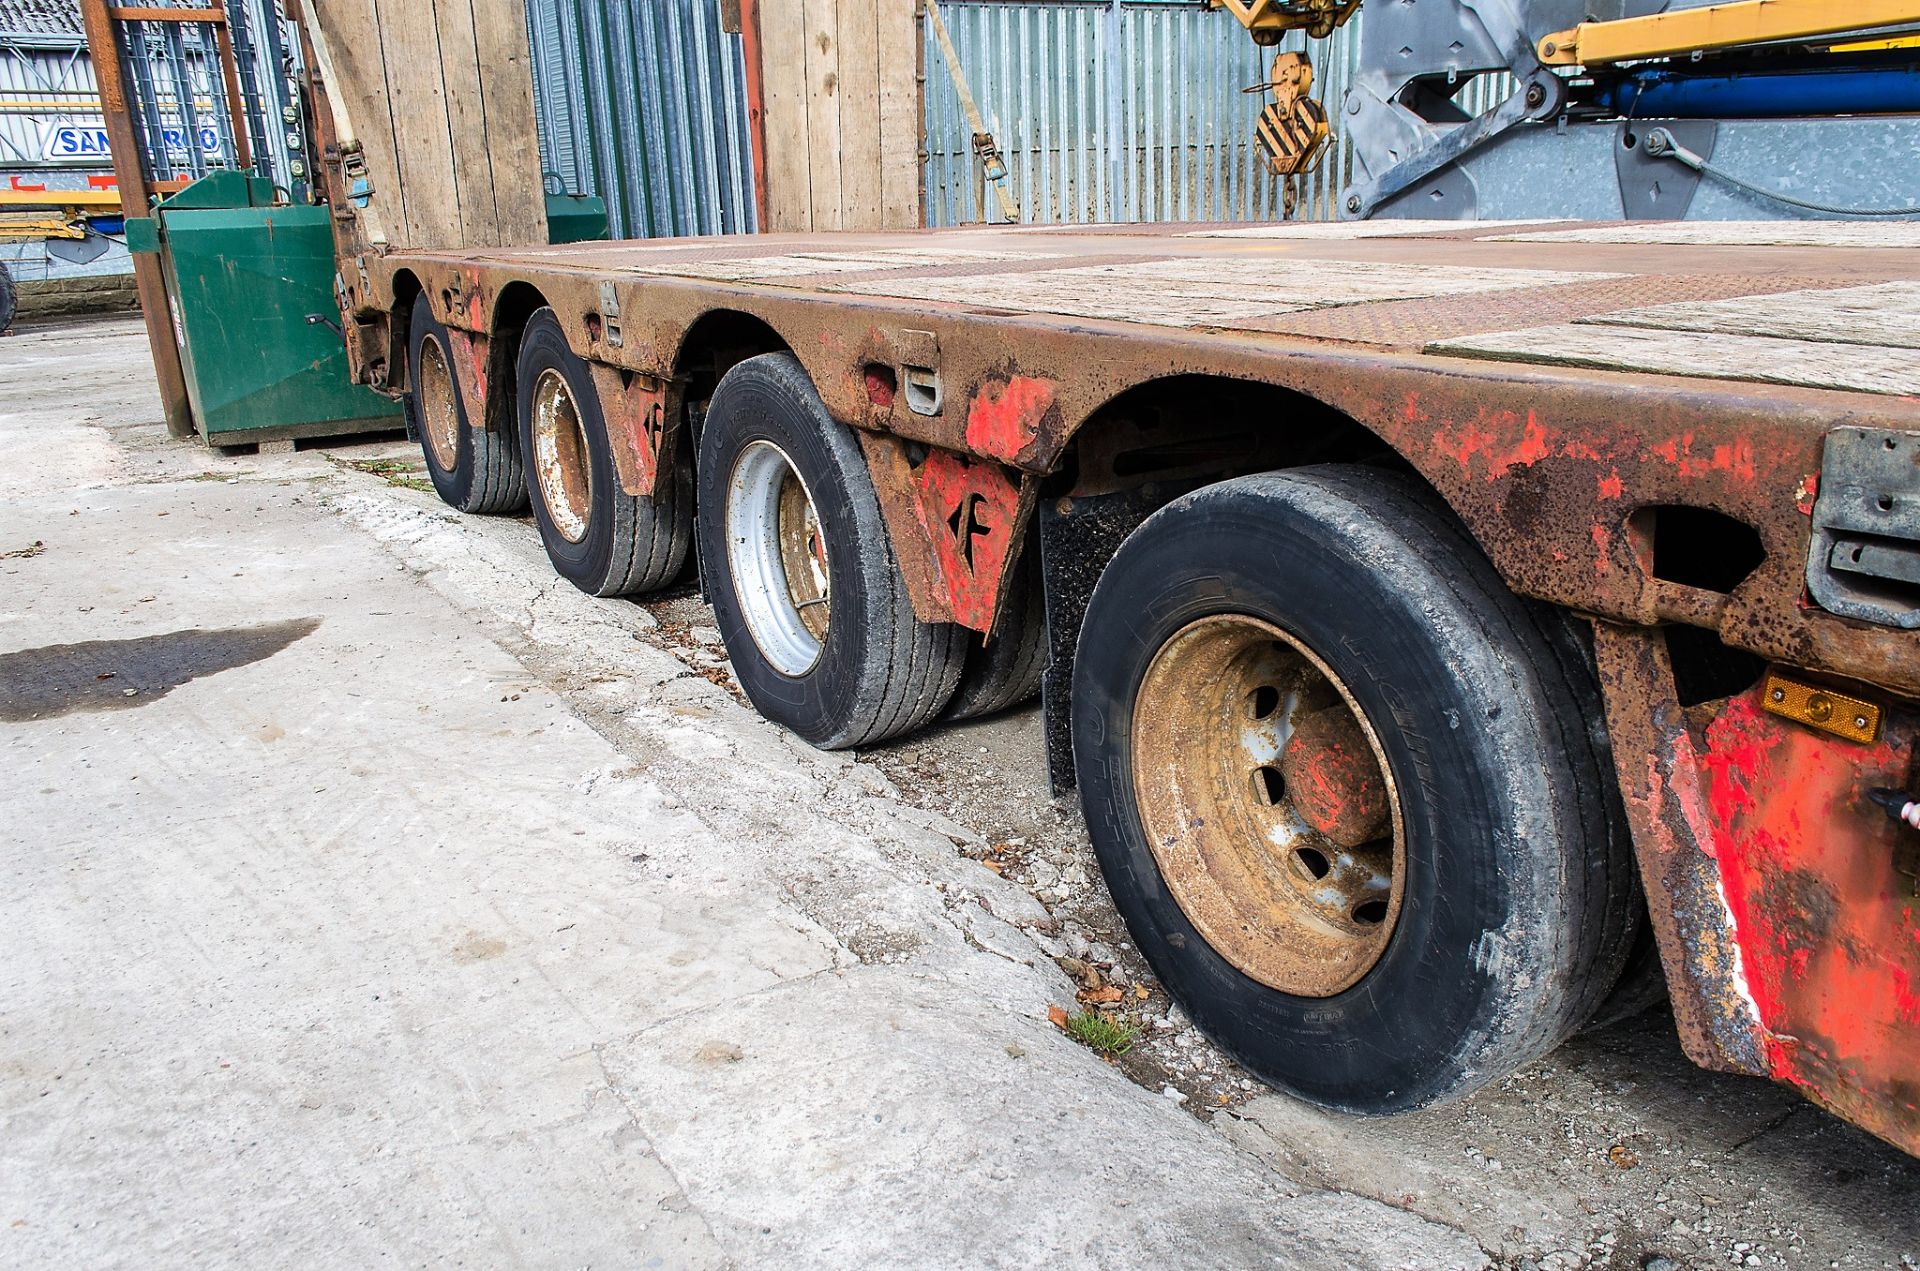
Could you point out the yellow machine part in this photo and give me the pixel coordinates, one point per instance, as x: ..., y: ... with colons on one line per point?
x: 1720, y: 26
x: 1268, y: 20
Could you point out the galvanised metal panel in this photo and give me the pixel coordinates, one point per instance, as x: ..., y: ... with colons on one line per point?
x: 1118, y: 110
x: 644, y: 103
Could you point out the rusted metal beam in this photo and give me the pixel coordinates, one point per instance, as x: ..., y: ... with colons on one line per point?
x: 107, y: 53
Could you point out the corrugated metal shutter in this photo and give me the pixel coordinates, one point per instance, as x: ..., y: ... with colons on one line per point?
x: 1118, y: 110
x: 643, y: 103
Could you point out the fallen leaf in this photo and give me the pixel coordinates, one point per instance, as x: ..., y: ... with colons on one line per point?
x: 1142, y: 992
x: 1107, y: 994
x: 1622, y: 1156
x: 995, y: 866
x: 1057, y: 1016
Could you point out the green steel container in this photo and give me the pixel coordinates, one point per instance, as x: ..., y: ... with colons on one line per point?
x: 251, y: 288
x: 575, y: 218
x: 243, y: 277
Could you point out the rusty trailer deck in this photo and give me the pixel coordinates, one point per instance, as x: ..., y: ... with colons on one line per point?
x: 1548, y: 379
x: 1631, y: 420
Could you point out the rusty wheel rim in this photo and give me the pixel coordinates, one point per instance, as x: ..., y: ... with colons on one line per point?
x: 777, y: 554
x: 560, y: 460
x: 1268, y: 805
x: 439, y: 406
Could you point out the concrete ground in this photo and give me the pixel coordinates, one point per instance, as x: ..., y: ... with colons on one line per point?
x: 372, y: 895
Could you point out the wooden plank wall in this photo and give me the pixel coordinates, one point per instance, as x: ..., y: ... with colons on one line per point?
x: 840, y: 109
x: 440, y: 94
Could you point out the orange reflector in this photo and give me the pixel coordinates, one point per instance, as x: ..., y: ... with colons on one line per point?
x: 1822, y: 708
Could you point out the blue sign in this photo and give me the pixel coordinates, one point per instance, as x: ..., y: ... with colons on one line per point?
x: 68, y: 141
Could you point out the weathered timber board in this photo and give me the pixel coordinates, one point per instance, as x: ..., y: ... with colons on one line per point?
x: 1211, y: 292
x: 1856, y: 368
x: 1886, y: 315
x: 441, y: 98
x: 1888, y: 234
x: 1311, y: 230
x: 804, y: 264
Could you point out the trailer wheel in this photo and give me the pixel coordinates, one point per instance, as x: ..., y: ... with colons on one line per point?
x: 1344, y: 788
x: 804, y: 584
x: 472, y: 469
x: 601, y: 539
x: 1005, y: 671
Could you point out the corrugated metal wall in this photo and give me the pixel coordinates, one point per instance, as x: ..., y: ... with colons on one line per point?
x: 1118, y: 110
x: 643, y: 102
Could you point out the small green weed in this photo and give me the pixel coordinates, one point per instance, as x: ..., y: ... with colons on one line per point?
x: 1102, y: 1032
x: 394, y: 471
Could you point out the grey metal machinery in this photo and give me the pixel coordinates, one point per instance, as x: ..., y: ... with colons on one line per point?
x: 1610, y: 109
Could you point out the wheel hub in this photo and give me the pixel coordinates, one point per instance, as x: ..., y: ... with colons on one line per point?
x: 778, y: 557
x: 560, y: 457
x: 1266, y: 801
x: 439, y: 405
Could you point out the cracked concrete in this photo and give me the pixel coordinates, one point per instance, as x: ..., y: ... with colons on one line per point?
x: 472, y: 928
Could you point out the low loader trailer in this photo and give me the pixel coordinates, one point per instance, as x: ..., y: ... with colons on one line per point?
x: 1452, y: 630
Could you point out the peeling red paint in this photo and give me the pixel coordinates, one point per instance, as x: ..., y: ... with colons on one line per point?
x: 1004, y: 418
x: 1611, y: 486
x: 1820, y: 908
x: 968, y: 511
x: 1807, y: 493
x: 1482, y: 439
x: 470, y: 367
x: 634, y: 407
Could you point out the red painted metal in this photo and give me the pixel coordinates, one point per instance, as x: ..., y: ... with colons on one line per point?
x: 1786, y: 904
x: 634, y: 407
x: 1007, y: 415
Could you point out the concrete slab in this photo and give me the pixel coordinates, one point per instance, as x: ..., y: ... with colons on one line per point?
x: 423, y: 925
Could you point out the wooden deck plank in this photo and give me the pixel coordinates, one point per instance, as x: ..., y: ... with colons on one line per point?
x: 1883, y: 234
x: 1337, y: 230
x: 1206, y: 292
x: 1856, y: 368
x: 1886, y: 315
x: 806, y: 264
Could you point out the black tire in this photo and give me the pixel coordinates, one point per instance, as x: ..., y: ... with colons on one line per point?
x: 1005, y: 671
x: 8, y: 302
x: 1518, y: 886
x: 482, y: 474
x: 879, y: 671
x: 1641, y: 987
x: 630, y: 543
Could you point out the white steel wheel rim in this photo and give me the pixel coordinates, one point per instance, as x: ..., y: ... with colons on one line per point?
x: 560, y: 457
x: 777, y: 556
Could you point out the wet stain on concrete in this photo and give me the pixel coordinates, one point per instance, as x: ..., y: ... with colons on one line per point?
x: 108, y: 675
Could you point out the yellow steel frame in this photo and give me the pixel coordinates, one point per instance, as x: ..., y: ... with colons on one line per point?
x: 34, y: 214
x: 1720, y: 26
x: 1268, y: 20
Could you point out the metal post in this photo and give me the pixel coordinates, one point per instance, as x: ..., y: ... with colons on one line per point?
x: 103, y: 45
x: 1110, y: 70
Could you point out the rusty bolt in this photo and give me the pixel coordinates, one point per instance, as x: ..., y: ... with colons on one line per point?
x: 1549, y: 49
x: 1535, y: 94
x: 1063, y: 507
